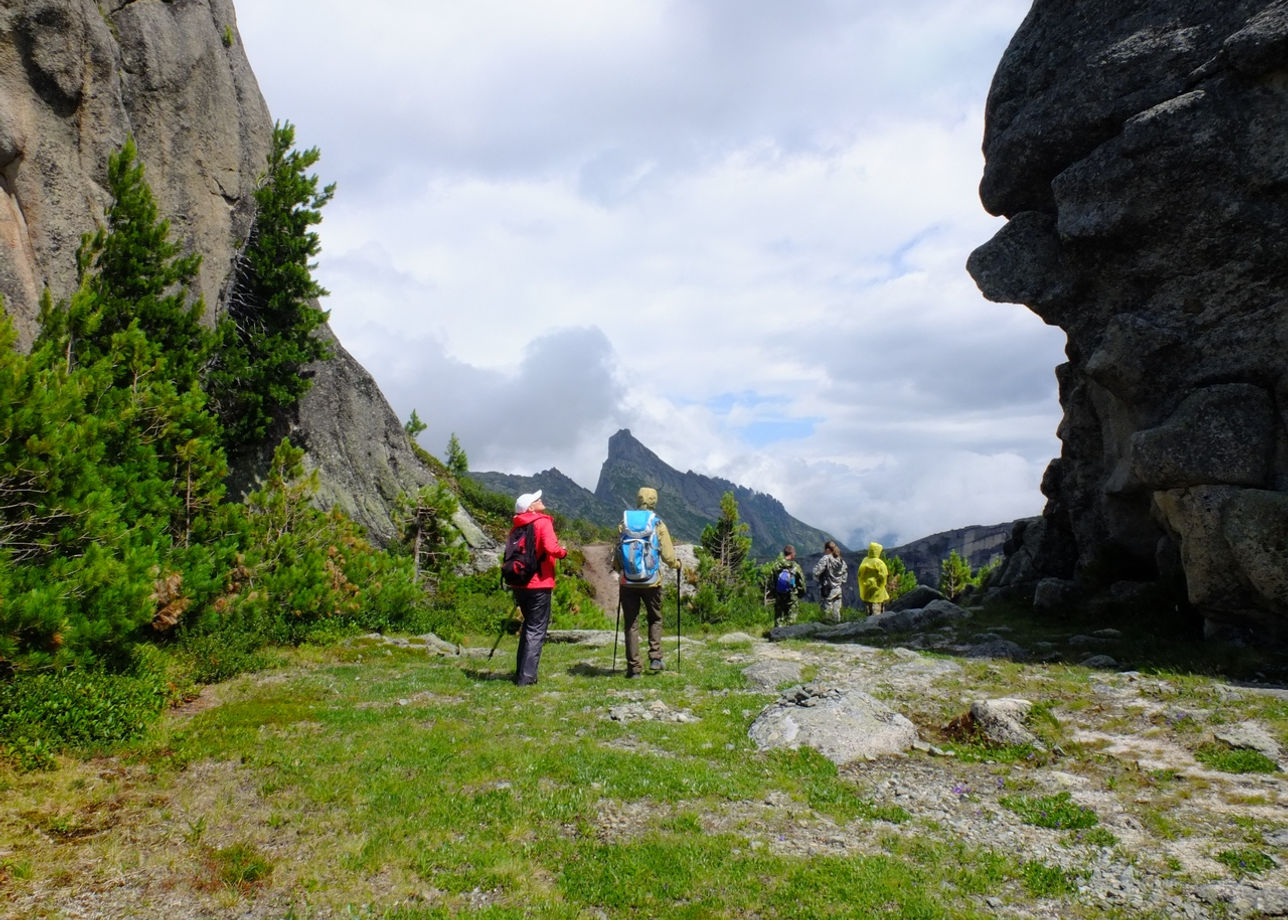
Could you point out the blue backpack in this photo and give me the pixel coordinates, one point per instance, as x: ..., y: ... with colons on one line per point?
x: 637, y: 547
x: 785, y: 581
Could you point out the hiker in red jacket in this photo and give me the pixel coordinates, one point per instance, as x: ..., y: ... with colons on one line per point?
x: 534, y: 597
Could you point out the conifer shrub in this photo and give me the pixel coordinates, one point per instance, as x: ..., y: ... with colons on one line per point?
x: 42, y: 712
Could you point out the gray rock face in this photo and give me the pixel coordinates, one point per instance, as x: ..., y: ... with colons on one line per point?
x: 1137, y: 150
x: 74, y: 83
x: 76, y: 79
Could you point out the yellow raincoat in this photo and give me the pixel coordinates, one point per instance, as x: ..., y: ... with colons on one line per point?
x: 873, y: 575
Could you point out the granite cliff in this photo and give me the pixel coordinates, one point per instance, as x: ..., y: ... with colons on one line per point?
x: 76, y: 79
x: 1139, y: 149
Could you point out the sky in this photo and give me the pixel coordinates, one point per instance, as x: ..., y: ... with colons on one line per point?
x: 738, y: 228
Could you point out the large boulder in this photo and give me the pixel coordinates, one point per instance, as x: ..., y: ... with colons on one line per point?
x: 1137, y: 149
x: 844, y: 724
x: 76, y: 79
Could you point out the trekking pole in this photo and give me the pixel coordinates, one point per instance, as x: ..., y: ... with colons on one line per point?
x: 617, y: 626
x: 504, y: 624
x: 677, y: 621
x: 497, y: 642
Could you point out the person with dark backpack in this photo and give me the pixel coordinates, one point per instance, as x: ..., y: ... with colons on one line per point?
x: 528, y: 568
x: 786, y: 586
x: 643, y: 547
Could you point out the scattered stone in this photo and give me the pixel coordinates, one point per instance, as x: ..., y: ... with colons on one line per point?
x: 1099, y: 662
x: 1081, y: 641
x: 772, y: 674
x: 1249, y: 736
x: 735, y: 638
x: 998, y: 648
x: 655, y: 711
x: 593, y: 638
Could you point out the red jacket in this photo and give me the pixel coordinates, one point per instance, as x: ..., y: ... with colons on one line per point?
x: 547, y: 546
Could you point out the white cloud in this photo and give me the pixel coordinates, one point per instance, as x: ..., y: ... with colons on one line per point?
x: 738, y: 228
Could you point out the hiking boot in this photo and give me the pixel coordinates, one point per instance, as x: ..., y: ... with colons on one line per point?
x: 655, y: 664
x: 630, y: 674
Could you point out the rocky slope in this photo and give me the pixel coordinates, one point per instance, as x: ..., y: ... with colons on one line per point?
x: 1137, y: 150
x: 76, y: 79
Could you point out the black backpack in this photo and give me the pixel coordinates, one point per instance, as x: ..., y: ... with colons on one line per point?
x: 520, y: 562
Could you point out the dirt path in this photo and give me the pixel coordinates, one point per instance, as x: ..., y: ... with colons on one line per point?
x: 599, y: 572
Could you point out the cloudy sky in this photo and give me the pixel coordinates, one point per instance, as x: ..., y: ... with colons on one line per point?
x: 736, y: 227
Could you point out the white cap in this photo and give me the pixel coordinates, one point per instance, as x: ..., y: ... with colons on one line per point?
x: 524, y: 501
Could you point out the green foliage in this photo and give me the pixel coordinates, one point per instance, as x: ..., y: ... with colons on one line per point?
x: 1057, y: 811
x: 414, y: 426
x: 271, y: 330
x: 132, y: 277
x: 1043, y: 881
x: 1244, y: 862
x: 729, y: 582
x: 899, y: 580
x: 240, y: 865
x: 1234, y: 760
x: 457, y: 462
x: 44, y: 711
x: 1093, y: 836
x: 227, y: 37
x: 109, y: 464
x: 955, y: 576
x: 425, y: 524
x: 485, y: 505
x: 305, y: 569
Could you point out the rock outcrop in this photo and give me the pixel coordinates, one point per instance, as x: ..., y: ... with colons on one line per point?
x: 76, y: 79
x: 1139, y: 152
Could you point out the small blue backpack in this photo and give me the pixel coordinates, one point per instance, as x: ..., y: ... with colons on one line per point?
x: 637, y: 547
x: 785, y: 581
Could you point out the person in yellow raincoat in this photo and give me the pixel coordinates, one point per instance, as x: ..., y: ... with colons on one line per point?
x: 873, y: 575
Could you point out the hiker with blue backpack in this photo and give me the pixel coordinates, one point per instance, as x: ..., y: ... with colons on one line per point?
x: 643, y: 546
x: 528, y: 569
x: 786, y: 586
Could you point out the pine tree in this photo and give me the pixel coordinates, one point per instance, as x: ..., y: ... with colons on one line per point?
x: 109, y: 445
x: 132, y: 275
x: 955, y: 575
x: 269, y: 334
x: 457, y: 462
x: 899, y: 581
x: 414, y: 426
x: 725, y: 545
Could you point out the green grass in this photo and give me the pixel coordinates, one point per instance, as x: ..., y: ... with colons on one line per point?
x: 1058, y: 811
x: 1245, y: 862
x: 373, y: 781
x: 353, y: 781
x: 1234, y: 760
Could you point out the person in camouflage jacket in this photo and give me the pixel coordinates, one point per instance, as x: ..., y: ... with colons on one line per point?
x: 830, y: 573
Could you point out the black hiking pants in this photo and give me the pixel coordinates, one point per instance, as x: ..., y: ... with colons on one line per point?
x: 535, y: 604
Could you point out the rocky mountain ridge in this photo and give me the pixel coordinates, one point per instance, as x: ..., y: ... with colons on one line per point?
x: 687, y: 501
